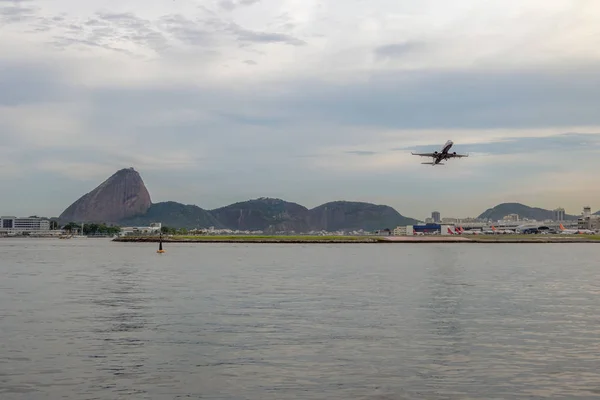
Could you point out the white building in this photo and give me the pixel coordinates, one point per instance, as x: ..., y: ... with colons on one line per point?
x: 449, y: 221
x: 154, y: 227
x: 588, y: 220
x: 511, y: 218
x: 400, y: 231
x: 20, y: 225
x: 403, y: 230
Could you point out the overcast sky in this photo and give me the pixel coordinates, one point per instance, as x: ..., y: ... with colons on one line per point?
x: 311, y: 101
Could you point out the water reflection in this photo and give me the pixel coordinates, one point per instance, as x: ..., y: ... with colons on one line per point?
x: 121, y: 312
x: 447, y: 348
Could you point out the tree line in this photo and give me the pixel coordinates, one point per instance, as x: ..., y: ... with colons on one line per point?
x: 166, y: 230
x: 92, y: 229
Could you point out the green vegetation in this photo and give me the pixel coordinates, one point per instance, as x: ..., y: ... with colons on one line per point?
x: 174, y: 214
x: 274, y: 237
x: 167, y: 230
x: 250, y: 238
x: 93, y: 229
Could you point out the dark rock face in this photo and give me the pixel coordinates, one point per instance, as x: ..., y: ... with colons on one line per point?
x: 266, y: 214
x: 121, y: 196
x: 504, y: 209
x: 349, y: 215
x: 123, y: 199
x: 275, y: 215
x: 175, y: 215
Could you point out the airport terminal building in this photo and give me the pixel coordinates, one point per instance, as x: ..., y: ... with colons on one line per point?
x: 425, y: 229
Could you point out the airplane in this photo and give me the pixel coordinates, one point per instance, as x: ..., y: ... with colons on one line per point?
x: 575, y: 231
x: 440, y: 156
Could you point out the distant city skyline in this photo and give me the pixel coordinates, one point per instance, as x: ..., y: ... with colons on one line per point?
x: 215, y: 102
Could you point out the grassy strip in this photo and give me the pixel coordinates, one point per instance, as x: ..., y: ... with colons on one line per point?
x: 252, y: 238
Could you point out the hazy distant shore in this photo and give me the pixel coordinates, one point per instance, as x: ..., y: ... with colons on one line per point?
x: 365, y: 239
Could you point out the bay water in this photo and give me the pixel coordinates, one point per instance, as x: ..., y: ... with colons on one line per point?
x: 95, y: 319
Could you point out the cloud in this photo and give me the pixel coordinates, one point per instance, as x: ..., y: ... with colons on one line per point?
x: 16, y: 11
x: 362, y: 152
x: 558, y: 144
x: 458, y: 99
x: 221, y: 101
x: 231, y: 5
x: 246, y: 35
x: 397, y: 49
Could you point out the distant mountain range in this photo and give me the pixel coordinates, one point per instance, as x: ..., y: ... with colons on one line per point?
x: 523, y: 211
x: 123, y: 199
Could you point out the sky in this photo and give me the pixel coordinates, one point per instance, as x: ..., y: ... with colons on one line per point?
x: 215, y: 102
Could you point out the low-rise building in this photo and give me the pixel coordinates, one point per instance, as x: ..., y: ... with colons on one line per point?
x: 591, y: 222
x: 22, y: 225
x: 449, y: 221
x: 400, y: 231
x: 511, y: 217
x: 154, y: 227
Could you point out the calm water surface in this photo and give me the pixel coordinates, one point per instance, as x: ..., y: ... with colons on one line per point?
x: 92, y: 319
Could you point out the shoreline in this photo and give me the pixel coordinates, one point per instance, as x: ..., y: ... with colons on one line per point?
x: 358, y: 239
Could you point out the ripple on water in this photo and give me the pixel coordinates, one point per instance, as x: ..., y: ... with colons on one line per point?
x: 100, y: 320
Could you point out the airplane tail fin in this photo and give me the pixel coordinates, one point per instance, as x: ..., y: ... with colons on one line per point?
x: 450, y: 231
x: 562, y: 228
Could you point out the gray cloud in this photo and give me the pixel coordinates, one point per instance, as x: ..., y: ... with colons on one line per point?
x: 398, y: 49
x: 241, y: 119
x: 231, y: 5
x: 362, y: 152
x: 285, y: 137
x: 15, y: 11
x: 246, y: 35
x: 559, y: 144
x: 193, y: 33
x: 32, y: 83
x: 110, y: 30
x: 456, y: 99
x: 227, y: 5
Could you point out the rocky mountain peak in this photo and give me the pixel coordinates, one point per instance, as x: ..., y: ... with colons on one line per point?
x: 121, y: 196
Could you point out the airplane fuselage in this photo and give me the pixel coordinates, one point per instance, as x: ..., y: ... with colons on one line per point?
x: 442, y: 154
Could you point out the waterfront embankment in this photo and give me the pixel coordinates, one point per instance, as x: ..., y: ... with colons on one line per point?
x: 365, y: 239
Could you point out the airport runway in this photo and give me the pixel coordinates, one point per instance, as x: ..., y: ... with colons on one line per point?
x: 439, y: 239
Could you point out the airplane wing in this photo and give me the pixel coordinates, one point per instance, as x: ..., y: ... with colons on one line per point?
x: 452, y: 155
x: 424, y: 154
